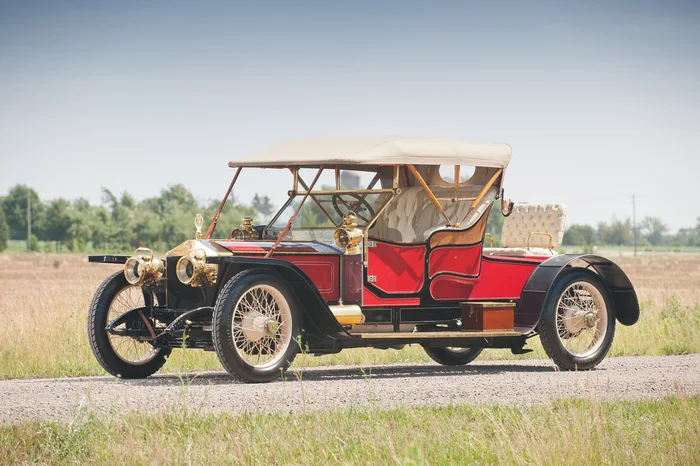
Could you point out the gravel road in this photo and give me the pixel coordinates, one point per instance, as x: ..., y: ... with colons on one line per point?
x: 640, y: 377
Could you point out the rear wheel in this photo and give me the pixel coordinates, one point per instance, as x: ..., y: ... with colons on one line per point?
x: 122, y: 356
x: 255, y: 326
x: 453, y: 356
x: 578, y: 323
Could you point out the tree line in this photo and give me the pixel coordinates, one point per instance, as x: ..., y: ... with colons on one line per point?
x: 121, y: 223
x: 651, y: 231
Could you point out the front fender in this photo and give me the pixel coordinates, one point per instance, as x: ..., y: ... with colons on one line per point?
x: 317, y: 319
x: 538, y: 286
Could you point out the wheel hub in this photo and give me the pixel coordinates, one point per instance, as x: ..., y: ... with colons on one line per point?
x: 575, y: 319
x: 256, y: 326
x: 589, y: 319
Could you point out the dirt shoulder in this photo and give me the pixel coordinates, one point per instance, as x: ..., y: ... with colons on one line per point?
x: 639, y: 377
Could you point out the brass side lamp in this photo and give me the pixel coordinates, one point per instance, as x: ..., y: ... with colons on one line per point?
x: 349, y: 236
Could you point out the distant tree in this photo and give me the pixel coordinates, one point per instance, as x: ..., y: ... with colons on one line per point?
x: 121, y: 231
x: 494, y: 224
x: 618, y: 233
x: 102, y: 228
x: 580, y: 235
x: 654, y: 230
x: 4, y: 230
x: 263, y: 205
x: 15, y: 207
x: 57, y: 221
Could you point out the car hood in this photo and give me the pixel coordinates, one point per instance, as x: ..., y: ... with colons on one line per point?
x: 285, y: 247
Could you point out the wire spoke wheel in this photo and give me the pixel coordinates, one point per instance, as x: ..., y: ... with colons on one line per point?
x: 129, y: 349
x: 121, y: 355
x: 581, y: 319
x: 261, y: 326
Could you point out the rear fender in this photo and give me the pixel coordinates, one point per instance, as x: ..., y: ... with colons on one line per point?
x: 317, y: 319
x: 538, y: 286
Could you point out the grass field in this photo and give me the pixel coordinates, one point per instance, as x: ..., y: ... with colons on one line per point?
x: 44, y: 300
x: 565, y: 432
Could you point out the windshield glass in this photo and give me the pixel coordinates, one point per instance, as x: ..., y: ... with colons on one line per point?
x: 324, y: 209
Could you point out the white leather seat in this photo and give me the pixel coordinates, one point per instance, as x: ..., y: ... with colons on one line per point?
x: 413, y: 216
x: 397, y: 223
x: 432, y: 220
x: 532, y: 230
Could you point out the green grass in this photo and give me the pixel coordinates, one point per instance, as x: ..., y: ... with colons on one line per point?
x: 563, y: 432
x: 63, y: 350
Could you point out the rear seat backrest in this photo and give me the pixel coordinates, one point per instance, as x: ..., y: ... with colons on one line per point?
x: 397, y: 223
x: 540, y: 218
x: 431, y: 220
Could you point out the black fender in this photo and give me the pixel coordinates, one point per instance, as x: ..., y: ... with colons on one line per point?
x: 317, y: 319
x: 537, y: 288
x: 109, y: 259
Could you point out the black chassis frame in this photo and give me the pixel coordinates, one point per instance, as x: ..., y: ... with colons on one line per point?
x: 188, y: 312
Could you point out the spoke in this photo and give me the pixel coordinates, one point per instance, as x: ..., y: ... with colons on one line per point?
x: 579, y: 300
x: 256, y: 309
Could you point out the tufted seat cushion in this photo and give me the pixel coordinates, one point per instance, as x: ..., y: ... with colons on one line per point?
x: 431, y: 220
x: 412, y: 217
x: 542, y: 219
x: 397, y: 223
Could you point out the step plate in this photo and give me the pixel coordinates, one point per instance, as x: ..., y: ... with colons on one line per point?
x: 421, y: 335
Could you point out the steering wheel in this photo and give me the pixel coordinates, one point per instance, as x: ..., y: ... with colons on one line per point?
x: 357, y: 207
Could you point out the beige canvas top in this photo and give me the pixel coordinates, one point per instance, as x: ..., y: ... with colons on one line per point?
x: 378, y: 150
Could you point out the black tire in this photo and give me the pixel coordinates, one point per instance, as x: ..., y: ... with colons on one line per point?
x: 99, y: 340
x: 550, y: 334
x: 448, y: 357
x: 223, y: 333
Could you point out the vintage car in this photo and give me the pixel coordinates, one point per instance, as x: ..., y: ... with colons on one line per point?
x: 397, y: 260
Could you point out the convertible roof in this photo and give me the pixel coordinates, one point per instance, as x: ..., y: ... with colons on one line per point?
x: 378, y: 150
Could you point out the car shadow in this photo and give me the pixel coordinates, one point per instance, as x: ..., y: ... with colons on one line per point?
x: 344, y: 373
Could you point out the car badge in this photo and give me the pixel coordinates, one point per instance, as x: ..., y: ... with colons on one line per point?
x: 198, y: 222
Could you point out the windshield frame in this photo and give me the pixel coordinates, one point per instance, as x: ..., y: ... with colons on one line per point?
x: 299, y: 182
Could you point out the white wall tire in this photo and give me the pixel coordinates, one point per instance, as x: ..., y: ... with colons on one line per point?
x: 578, y: 322
x: 121, y: 356
x: 255, y: 326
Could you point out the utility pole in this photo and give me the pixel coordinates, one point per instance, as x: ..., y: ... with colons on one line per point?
x: 29, y: 221
x: 634, y: 223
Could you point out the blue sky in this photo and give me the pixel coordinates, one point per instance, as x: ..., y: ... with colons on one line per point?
x: 598, y: 100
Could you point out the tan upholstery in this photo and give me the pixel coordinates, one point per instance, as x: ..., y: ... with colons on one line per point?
x: 534, y: 221
x: 432, y: 220
x: 397, y: 223
x: 412, y: 216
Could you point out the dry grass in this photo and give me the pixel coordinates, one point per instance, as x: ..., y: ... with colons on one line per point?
x: 44, y: 301
x: 565, y: 432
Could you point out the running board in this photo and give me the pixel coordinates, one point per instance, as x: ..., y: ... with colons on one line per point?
x: 421, y: 335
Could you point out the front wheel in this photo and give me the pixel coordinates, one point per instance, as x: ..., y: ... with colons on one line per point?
x: 578, y: 323
x: 255, y: 326
x: 453, y: 356
x: 120, y: 355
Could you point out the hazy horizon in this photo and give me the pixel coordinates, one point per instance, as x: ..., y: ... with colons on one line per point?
x: 599, y: 101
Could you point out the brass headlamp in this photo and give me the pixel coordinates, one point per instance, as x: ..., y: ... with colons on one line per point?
x: 246, y: 232
x: 192, y: 269
x: 143, y: 268
x: 348, y: 236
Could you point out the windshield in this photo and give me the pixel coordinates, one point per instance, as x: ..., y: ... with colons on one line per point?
x: 323, y: 211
